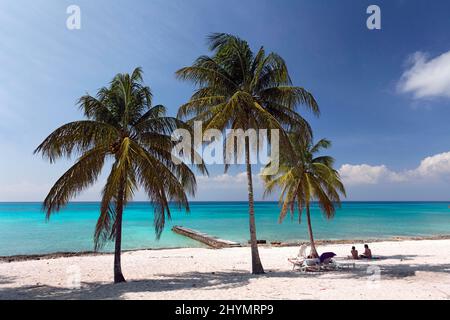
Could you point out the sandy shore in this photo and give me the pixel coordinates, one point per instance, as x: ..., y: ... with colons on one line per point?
x: 407, y: 269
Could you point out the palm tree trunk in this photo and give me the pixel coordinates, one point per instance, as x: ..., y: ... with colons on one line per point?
x: 118, y: 276
x: 313, y: 253
x: 257, y: 267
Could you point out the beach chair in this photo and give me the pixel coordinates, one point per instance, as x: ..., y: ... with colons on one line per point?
x: 324, y: 262
x: 298, y: 260
x: 310, y: 265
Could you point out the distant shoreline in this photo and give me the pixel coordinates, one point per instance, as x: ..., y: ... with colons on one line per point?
x: 56, y: 255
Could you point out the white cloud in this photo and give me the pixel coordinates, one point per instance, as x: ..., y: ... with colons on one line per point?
x: 427, y: 77
x: 364, y: 174
x: 223, y: 178
x: 433, y: 167
x: 233, y: 187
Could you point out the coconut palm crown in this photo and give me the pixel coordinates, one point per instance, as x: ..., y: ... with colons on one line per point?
x: 304, y: 177
x: 238, y: 89
x: 124, y: 130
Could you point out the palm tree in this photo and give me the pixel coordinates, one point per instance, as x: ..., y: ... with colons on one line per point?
x: 238, y: 89
x: 304, y: 177
x: 124, y: 129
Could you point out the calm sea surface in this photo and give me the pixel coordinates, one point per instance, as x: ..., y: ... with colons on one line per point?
x: 23, y: 229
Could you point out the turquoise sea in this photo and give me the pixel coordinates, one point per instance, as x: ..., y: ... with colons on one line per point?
x: 23, y: 229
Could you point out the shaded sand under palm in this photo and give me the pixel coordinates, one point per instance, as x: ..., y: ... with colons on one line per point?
x: 409, y: 270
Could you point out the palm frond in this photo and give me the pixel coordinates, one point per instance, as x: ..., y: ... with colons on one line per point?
x: 76, y: 137
x: 137, y: 136
x: 81, y: 175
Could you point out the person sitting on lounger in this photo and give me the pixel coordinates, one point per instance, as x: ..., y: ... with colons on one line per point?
x: 354, y: 253
x: 367, y: 253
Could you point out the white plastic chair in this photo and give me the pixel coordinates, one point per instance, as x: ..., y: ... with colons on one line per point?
x: 300, y: 258
x: 310, y: 265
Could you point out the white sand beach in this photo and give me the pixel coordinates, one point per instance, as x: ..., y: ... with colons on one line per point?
x: 408, y: 270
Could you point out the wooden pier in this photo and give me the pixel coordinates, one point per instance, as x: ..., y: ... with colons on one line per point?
x: 211, y: 241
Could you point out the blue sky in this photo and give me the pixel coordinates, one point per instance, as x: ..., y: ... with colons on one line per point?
x: 384, y: 94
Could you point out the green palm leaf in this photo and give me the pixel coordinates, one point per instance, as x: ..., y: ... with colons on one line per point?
x: 237, y: 89
x: 122, y: 126
x: 303, y: 178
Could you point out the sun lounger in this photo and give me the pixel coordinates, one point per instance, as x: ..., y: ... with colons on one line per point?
x: 310, y: 265
x: 324, y: 262
x: 298, y: 260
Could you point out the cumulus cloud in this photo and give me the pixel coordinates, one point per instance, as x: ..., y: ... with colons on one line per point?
x: 433, y: 167
x: 426, y: 77
x: 363, y: 174
x: 430, y: 168
x: 224, y: 178
x: 223, y: 181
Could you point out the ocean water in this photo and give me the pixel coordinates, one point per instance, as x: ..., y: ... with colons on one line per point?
x: 23, y: 229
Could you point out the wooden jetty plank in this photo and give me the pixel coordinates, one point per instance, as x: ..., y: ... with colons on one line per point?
x: 205, y: 238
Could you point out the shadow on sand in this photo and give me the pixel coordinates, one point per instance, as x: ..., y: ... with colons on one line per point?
x: 206, y: 281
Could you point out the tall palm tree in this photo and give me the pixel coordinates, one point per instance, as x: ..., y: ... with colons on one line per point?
x: 238, y: 89
x: 124, y: 129
x: 304, y: 177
